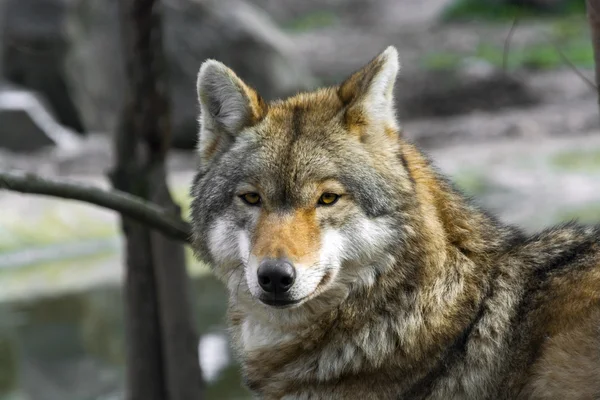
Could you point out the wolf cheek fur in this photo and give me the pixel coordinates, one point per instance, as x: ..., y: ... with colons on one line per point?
x: 355, y: 270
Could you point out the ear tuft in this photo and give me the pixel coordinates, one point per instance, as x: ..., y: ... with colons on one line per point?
x: 224, y: 99
x: 370, y: 91
x: 227, y: 105
x: 389, y: 70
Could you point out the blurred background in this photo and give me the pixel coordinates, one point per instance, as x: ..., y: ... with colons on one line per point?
x: 487, y: 88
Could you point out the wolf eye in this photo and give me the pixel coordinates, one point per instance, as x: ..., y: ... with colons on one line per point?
x: 252, y: 199
x: 328, y: 199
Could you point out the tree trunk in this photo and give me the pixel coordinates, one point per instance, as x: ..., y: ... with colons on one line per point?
x: 2, y: 34
x: 163, y: 362
x: 593, y: 13
x: 145, y: 375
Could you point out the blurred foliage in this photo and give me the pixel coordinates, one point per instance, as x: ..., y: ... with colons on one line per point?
x: 227, y: 386
x: 442, y: 60
x: 472, y: 183
x: 10, y: 320
x: 567, y: 35
x: 311, y: 21
x: 61, y: 224
x: 8, y: 352
x: 88, y: 325
x: 8, y: 366
x: 586, y: 161
x: 50, y: 272
x: 101, y: 328
x: 67, y: 274
x: 588, y: 214
x: 51, y: 227
x: 463, y: 10
x: 13, y: 396
x: 181, y: 196
x: 578, y: 161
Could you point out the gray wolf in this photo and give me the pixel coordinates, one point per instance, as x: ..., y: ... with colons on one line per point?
x: 357, y: 271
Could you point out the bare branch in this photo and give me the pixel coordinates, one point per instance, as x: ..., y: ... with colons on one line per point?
x: 574, y: 68
x: 564, y: 58
x: 513, y: 27
x: 594, y: 21
x: 129, y: 206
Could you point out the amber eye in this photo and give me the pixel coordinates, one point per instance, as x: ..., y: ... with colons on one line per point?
x: 252, y: 199
x: 328, y: 199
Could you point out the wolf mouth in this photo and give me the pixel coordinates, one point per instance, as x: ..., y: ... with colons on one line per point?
x: 280, y: 303
x: 287, y: 303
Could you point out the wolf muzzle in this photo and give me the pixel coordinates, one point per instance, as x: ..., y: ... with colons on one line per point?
x: 276, y: 277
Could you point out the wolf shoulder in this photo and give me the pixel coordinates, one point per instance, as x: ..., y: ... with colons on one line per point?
x: 562, y: 306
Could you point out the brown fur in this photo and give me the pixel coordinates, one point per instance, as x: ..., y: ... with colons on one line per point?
x: 459, y: 307
x: 568, y: 367
x: 295, y: 237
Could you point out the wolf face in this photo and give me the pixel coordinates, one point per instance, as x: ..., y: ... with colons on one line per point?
x: 301, y: 199
x: 355, y: 269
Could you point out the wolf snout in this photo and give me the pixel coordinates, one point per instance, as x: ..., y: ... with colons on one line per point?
x: 276, y: 276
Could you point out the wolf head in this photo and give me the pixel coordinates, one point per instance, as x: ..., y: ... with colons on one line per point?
x: 300, y: 201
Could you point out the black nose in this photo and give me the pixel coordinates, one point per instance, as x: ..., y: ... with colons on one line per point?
x: 276, y: 276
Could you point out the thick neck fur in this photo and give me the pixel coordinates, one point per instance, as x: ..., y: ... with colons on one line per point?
x: 416, y: 309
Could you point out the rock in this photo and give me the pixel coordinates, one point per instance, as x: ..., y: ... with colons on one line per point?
x: 26, y: 125
x: 33, y: 51
x: 233, y: 32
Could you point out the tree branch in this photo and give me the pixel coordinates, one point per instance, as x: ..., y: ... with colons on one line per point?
x: 593, y: 14
x: 129, y: 206
x: 506, y: 50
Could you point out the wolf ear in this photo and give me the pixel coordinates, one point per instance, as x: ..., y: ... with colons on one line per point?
x: 227, y: 105
x: 369, y: 92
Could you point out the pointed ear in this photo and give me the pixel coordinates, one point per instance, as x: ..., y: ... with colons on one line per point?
x: 227, y: 105
x: 369, y: 93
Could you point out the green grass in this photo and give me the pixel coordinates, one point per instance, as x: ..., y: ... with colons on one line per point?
x: 472, y: 183
x: 542, y: 56
x: 181, y: 196
x: 577, y: 161
x: 570, y: 35
x: 311, y: 21
x: 442, y: 61
x: 54, y: 269
x: 497, y: 11
x: 51, y: 228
